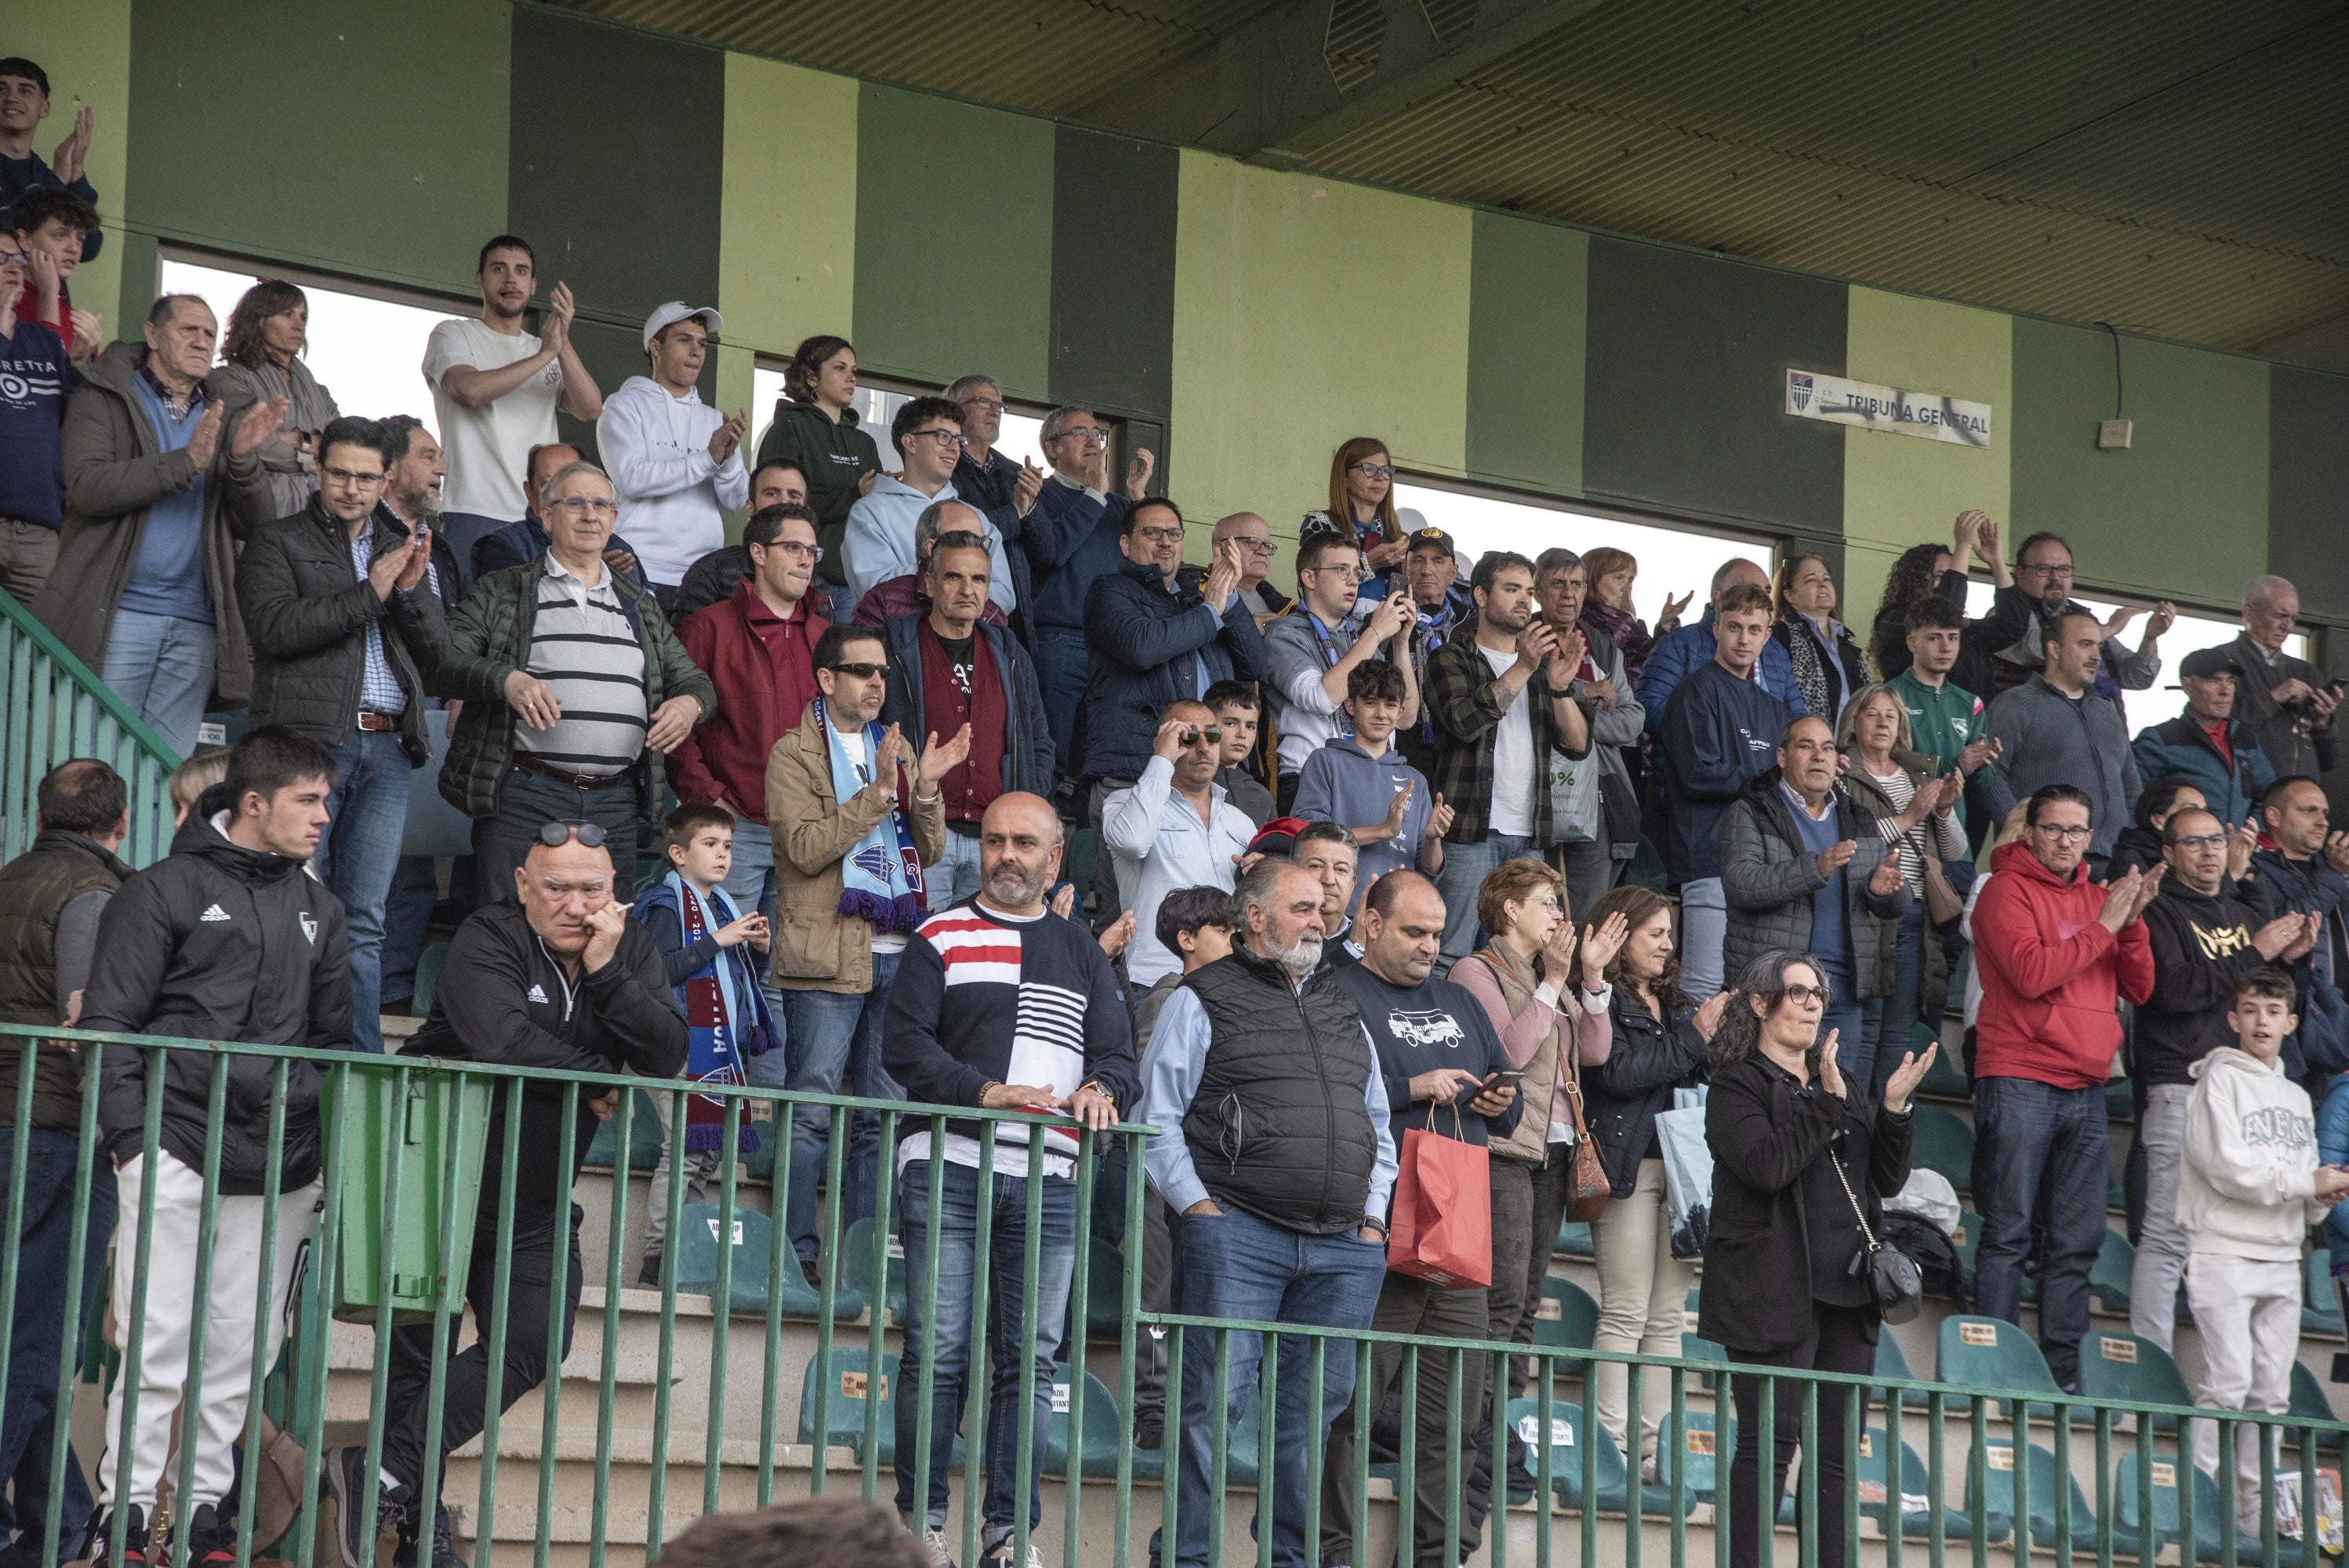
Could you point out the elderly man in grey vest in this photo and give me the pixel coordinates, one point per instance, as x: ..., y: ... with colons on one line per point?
x: 1287, y: 1224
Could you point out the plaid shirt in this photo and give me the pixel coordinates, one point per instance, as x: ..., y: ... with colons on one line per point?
x: 1466, y: 699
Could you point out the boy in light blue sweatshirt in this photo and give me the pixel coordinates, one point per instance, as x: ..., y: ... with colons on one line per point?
x: 1361, y: 781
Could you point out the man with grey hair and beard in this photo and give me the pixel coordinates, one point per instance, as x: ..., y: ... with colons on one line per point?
x: 2288, y: 704
x: 1287, y: 1224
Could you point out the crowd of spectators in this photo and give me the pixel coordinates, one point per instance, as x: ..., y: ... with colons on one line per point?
x: 797, y: 810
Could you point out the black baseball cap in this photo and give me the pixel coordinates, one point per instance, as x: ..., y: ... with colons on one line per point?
x: 2204, y: 663
x: 1433, y: 539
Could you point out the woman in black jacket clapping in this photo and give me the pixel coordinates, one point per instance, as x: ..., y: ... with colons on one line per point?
x: 1795, y: 1149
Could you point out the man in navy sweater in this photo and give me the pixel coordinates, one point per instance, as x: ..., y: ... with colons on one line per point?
x: 1721, y: 727
x: 1000, y: 1004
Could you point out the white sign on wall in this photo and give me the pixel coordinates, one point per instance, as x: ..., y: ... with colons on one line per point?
x: 1840, y: 401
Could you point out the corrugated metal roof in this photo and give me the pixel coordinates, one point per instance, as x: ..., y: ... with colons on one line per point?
x: 2171, y: 165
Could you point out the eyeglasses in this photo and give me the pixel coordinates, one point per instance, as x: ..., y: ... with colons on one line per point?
x: 352, y: 477
x: 1090, y: 435
x: 861, y: 672
x: 555, y: 835
x: 1212, y: 735
x: 1160, y: 535
x: 1803, y: 995
x: 795, y: 550
x: 2200, y: 841
x: 1353, y: 573
x: 581, y: 506
x: 949, y: 440
x: 1253, y: 546
x: 14, y: 259
x: 2062, y: 835
x: 1375, y: 470
x: 984, y: 404
x: 2061, y: 570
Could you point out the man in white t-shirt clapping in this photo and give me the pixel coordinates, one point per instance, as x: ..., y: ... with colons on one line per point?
x: 495, y: 388
x: 1501, y: 700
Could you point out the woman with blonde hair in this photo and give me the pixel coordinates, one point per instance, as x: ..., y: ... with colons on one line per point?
x: 261, y: 358
x: 1363, y: 506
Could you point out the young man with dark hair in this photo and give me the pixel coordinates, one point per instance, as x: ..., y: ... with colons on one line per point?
x: 227, y: 938
x: 52, y: 226
x: 677, y: 461
x: 1318, y: 643
x: 2055, y: 950
x: 346, y: 625
x: 51, y: 901
x: 1944, y: 719
x: 1361, y: 780
x: 36, y: 378
x: 834, y: 1532
x: 495, y: 388
x: 1239, y: 711
x: 949, y: 670
x: 1494, y: 735
x: 23, y: 104
x: 927, y: 437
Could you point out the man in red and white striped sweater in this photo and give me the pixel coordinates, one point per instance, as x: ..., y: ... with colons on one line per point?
x: 998, y: 1003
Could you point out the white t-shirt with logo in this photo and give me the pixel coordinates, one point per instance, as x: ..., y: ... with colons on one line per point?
x: 1514, y: 778
x: 487, y: 448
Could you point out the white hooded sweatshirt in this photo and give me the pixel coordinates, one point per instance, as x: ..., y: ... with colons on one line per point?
x: 2248, y: 1186
x: 673, y: 496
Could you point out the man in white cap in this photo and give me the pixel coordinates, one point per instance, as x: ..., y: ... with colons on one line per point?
x: 677, y: 460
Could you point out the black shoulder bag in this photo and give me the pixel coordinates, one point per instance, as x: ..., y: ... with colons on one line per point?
x: 1892, y: 1274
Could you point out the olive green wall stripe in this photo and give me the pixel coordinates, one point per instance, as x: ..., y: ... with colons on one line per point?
x: 86, y: 49
x: 787, y: 231
x: 2183, y: 513
x: 1527, y: 318
x: 1685, y: 390
x: 954, y: 241
x: 2308, y: 478
x: 1113, y: 335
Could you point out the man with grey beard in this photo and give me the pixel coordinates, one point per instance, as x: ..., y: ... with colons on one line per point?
x: 1281, y: 1175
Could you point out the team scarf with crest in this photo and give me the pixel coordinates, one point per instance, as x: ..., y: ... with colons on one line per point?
x: 881, y: 876
x: 726, y: 1015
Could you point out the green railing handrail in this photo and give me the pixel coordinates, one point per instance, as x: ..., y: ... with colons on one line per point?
x: 87, y: 680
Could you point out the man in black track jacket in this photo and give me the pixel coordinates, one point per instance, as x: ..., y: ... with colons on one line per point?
x: 227, y: 938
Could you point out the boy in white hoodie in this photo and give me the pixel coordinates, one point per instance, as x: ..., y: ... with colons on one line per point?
x: 2247, y: 1194
x: 676, y: 461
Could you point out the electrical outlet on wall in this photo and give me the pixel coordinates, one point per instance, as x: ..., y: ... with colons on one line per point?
x: 2112, y: 435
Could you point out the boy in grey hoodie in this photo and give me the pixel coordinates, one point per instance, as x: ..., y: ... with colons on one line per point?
x: 2248, y: 1191
x: 1363, y: 782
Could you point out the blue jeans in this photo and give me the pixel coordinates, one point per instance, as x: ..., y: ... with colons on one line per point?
x: 407, y: 920
x: 41, y: 1341
x: 1898, y: 1032
x: 836, y: 1039
x: 750, y: 887
x: 464, y: 530
x: 162, y: 668
x: 1705, y: 927
x: 954, y: 877
x: 1466, y: 867
x: 1846, y: 1017
x: 1062, y: 670
x: 1236, y: 1266
x: 2033, y: 1141
x: 1056, y: 1254
x: 527, y: 801
x: 357, y: 858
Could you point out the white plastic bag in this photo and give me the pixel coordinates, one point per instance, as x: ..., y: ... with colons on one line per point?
x: 1688, y: 1171
x: 1928, y: 1195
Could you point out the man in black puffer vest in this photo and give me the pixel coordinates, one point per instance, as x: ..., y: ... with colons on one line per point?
x: 1281, y: 1175
x: 228, y: 938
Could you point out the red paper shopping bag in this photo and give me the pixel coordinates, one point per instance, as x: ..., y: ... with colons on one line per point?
x: 1441, y: 1229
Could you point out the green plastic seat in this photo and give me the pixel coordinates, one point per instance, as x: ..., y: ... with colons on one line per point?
x: 856, y: 1267
x: 426, y: 986
x: 1966, y: 1240
x: 2108, y: 1277
x: 753, y: 1243
x: 1996, y: 1501
x: 644, y: 1138
x: 844, y: 1416
x: 1990, y: 1353
x: 1105, y: 1292
x: 2209, y: 1504
x: 1694, y: 1346
x: 1575, y: 1241
x: 1097, y: 1442
x: 1946, y: 1079
x: 2126, y: 1366
x: 2320, y: 1311
x: 2309, y: 1403
x: 1567, y: 1441
x: 1939, y: 1140
x: 1565, y: 1316
x: 2129, y: 1518
x: 1912, y: 1483
x: 1703, y: 1453
x: 1891, y: 1361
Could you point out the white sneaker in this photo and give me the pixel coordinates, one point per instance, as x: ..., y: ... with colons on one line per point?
x: 941, y: 1555
x: 1003, y: 1554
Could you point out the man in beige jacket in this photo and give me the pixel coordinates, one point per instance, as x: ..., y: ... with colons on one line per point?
x: 856, y: 813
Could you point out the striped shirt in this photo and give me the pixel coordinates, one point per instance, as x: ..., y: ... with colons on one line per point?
x: 1943, y: 834
x: 584, y: 647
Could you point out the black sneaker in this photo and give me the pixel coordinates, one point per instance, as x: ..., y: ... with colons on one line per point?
x: 348, y: 1486
x: 648, y: 1272
x: 814, y: 1275
x: 211, y: 1540
x: 97, y: 1539
x: 444, y: 1544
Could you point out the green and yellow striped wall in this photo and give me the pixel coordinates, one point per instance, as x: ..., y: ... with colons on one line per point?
x: 1243, y: 320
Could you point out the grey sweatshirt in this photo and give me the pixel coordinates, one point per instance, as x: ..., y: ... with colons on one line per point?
x: 2046, y: 737
x: 1344, y: 784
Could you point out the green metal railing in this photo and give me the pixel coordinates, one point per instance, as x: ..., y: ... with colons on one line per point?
x: 55, y: 708
x: 370, y: 1190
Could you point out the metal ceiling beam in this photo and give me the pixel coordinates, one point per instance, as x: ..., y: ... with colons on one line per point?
x: 1264, y: 91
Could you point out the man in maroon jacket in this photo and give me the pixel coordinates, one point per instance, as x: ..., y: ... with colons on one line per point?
x: 910, y: 595
x: 756, y: 646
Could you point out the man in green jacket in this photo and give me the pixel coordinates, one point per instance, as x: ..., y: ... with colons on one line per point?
x: 569, y: 675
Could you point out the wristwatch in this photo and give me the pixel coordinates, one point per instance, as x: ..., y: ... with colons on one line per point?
x: 1371, y: 1222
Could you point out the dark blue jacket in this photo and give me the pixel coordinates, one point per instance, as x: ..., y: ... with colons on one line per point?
x: 1140, y: 639
x: 2277, y: 886
x: 1685, y: 650
x: 2183, y: 746
x: 988, y: 487
x: 1072, y: 542
x: 1718, y: 731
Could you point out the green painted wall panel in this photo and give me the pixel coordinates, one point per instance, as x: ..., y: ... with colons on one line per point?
x: 355, y: 138
x: 786, y: 232
x: 1685, y: 389
x: 954, y: 242
x: 1113, y: 205
x: 1308, y: 311
x: 85, y: 46
x: 2183, y: 513
x: 1899, y: 490
x: 2308, y: 489
x: 1527, y: 305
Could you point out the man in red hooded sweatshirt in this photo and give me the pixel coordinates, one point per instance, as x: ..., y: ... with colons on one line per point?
x: 2054, y: 950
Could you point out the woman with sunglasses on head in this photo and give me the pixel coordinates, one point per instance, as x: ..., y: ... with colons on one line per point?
x: 1361, y: 505
x: 1802, y: 1165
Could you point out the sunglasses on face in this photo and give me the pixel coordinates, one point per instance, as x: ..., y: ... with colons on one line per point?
x: 861, y: 672
x: 1212, y: 735
x: 555, y: 835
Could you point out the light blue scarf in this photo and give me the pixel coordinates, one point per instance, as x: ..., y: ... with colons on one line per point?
x: 881, y: 876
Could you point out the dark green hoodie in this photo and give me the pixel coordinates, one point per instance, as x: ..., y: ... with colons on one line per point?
x: 835, y: 458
